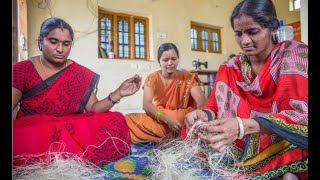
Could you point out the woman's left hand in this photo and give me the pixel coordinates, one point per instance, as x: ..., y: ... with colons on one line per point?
x: 130, y: 86
x: 220, y: 133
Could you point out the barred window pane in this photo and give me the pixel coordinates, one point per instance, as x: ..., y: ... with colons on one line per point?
x: 215, y: 41
x: 123, y: 38
x: 106, y: 34
x: 126, y: 51
x: 204, y: 36
x: 194, y: 39
x: 139, y: 40
x: 121, y: 51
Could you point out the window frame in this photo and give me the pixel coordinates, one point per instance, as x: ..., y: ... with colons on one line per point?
x: 199, y: 28
x: 146, y: 37
x: 293, y: 5
x: 131, y: 39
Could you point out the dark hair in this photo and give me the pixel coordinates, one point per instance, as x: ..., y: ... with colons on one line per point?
x: 50, y: 24
x: 262, y: 11
x: 165, y: 47
x: 231, y: 56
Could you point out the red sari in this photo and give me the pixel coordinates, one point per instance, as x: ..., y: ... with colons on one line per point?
x: 52, y: 117
x: 277, y: 98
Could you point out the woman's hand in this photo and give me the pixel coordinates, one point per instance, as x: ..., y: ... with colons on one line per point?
x: 193, y: 116
x: 130, y: 86
x: 173, y: 124
x: 220, y: 133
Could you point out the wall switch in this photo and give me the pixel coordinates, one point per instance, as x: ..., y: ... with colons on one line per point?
x: 134, y: 66
x: 161, y: 35
x: 144, y: 66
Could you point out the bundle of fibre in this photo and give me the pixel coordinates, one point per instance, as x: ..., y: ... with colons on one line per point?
x: 56, y: 165
x: 190, y: 158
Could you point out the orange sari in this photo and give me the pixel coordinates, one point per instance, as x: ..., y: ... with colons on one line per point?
x: 175, y: 100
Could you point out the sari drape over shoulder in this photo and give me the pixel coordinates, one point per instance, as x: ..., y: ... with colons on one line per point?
x: 52, y: 117
x: 277, y: 98
x: 175, y: 100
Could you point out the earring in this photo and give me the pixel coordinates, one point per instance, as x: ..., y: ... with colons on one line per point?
x: 40, y: 43
x: 274, y: 37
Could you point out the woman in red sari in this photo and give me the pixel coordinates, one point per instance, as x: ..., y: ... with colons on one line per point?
x: 256, y: 104
x: 59, y: 110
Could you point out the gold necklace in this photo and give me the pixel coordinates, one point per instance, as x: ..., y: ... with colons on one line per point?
x: 45, y: 68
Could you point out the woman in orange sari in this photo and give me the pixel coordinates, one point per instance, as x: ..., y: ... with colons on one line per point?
x: 168, y: 96
x: 259, y: 102
x: 59, y: 110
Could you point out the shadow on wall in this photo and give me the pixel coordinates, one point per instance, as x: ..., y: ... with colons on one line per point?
x: 102, y: 53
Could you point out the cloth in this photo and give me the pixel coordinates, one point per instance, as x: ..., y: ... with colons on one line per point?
x: 175, y: 100
x: 143, y: 163
x: 52, y: 118
x: 133, y: 166
x: 272, y: 99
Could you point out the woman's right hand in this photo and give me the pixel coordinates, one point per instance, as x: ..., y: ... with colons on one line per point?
x: 130, y: 86
x: 194, y: 116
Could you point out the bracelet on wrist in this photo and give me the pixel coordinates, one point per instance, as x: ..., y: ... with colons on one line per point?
x: 209, y: 114
x: 113, y: 102
x: 241, y: 128
x: 157, y: 116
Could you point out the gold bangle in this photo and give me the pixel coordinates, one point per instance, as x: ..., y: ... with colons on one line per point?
x: 157, y: 116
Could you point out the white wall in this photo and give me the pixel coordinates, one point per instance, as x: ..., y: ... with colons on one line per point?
x: 304, y: 21
x: 172, y: 17
x: 282, y: 8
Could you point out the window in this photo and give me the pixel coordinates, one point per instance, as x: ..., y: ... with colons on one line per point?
x: 294, y: 4
x: 205, y: 38
x: 124, y: 35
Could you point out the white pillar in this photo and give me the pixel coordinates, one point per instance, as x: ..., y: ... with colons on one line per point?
x: 304, y: 21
